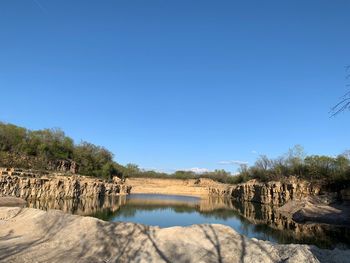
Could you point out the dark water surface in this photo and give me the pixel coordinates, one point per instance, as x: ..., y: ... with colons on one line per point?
x: 249, y: 219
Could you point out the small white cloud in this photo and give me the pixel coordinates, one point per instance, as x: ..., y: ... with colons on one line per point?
x: 254, y: 152
x: 233, y: 162
x: 158, y: 170
x: 198, y: 170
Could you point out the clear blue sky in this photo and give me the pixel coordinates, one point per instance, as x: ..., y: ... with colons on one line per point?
x: 179, y: 84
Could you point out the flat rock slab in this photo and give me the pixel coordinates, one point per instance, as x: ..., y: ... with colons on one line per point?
x: 11, y: 201
x: 311, y: 209
x: 31, y: 235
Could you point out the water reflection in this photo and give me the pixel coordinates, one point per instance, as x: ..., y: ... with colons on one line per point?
x: 252, y: 220
x: 84, y: 207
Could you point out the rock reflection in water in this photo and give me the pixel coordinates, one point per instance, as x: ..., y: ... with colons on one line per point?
x: 83, y: 206
x: 250, y: 219
x: 284, y: 230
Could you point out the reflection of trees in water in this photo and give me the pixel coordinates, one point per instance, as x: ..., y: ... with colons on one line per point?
x: 254, y: 219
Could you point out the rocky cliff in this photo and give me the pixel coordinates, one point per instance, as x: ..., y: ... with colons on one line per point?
x: 29, y: 162
x: 29, y: 185
x: 274, y: 193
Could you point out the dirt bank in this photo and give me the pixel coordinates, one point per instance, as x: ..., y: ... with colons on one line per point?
x: 31, y: 235
x: 186, y: 187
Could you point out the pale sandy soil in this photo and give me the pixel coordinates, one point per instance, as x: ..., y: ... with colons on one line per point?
x: 31, y: 235
x: 185, y: 187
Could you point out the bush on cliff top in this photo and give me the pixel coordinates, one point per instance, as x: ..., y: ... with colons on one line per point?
x: 34, y: 149
x: 296, y: 163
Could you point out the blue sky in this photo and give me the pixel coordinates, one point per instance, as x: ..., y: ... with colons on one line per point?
x: 179, y: 84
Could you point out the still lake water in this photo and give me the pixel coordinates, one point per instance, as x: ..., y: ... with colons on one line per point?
x: 252, y: 220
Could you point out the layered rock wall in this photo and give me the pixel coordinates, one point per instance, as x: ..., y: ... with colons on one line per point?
x: 29, y: 162
x: 274, y: 193
x: 28, y: 185
x: 63, y: 166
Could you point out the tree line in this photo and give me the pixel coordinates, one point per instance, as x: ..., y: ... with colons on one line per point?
x: 35, y: 149
x: 330, y: 169
x: 25, y: 148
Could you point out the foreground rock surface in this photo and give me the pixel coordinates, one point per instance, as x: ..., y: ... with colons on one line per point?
x: 31, y: 235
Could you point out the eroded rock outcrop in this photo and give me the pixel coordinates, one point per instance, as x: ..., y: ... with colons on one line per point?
x: 28, y: 185
x: 274, y: 193
x: 31, y: 162
x: 65, y: 166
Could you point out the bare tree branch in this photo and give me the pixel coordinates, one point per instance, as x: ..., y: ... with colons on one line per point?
x: 344, y: 103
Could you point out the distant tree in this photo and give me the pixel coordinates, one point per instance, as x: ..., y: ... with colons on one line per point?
x: 131, y: 170
x: 184, y: 175
x: 295, y: 160
x: 263, y: 163
x: 11, y: 137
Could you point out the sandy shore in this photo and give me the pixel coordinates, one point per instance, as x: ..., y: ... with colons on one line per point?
x: 31, y: 235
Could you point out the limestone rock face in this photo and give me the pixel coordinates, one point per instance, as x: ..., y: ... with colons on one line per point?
x: 30, y: 162
x: 274, y: 193
x: 58, y: 186
x: 63, y: 166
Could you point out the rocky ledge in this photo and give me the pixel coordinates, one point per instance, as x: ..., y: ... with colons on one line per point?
x: 28, y: 185
x: 31, y: 235
x: 273, y: 193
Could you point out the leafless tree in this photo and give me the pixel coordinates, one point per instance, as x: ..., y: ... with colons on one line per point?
x: 344, y: 103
